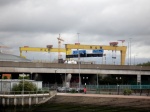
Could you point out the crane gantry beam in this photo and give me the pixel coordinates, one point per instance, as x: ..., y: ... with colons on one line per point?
x: 36, y: 49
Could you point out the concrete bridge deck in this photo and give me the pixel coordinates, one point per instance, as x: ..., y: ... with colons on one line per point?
x: 32, y: 67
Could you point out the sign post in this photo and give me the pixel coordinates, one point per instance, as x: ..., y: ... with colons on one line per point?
x: 139, y: 79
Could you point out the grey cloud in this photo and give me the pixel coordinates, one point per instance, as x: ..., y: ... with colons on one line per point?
x: 98, y: 21
x: 87, y: 18
x: 36, y: 19
x: 8, y: 2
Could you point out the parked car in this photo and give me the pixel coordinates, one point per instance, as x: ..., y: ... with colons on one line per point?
x: 80, y: 90
x: 63, y: 89
x: 66, y: 89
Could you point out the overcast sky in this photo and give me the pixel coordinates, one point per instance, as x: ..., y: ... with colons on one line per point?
x: 37, y: 23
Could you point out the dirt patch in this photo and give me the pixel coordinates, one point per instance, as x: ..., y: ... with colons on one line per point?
x: 101, y: 101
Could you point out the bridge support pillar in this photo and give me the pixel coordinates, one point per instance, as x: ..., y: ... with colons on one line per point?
x: 66, y: 80
x: 29, y: 100
x: 3, y: 101
x: 22, y: 101
x: 7, y: 101
x: 37, y: 77
x: 15, y: 101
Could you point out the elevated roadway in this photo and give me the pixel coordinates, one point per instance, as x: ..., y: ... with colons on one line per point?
x: 32, y: 67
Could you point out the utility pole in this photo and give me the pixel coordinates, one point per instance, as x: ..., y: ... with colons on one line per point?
x: 97, y: 77
x: 79, y: 60
x: 130, y: 51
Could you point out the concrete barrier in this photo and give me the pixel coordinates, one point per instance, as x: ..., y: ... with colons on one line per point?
x: 25, y: 99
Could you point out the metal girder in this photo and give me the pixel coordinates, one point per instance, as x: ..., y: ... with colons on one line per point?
x: 36, y: 49
x: 92, y: 47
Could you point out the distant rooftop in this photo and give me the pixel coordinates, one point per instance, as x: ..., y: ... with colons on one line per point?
x: 9, y: 57
x: 17, y: 80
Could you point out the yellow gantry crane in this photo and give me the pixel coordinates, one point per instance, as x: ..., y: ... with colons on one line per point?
x: 68, y: 49
x: 122, y: 49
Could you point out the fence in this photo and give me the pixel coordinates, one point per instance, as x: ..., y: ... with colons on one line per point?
x: 109, y: 89
x: 120, y: 86
x: 119, y: 89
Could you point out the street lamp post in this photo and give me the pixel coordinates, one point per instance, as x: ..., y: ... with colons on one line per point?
x: 118, y: 86
x: 79, y: 60
x: 140, y: 76
x: 97, y: 77
x: 118, y: 78
x: 23, y: 84
x: 139, y: 79
x: 66, y: 73
x: 128, y: 54
x: 130, y: 51
x: 85, y: 78
x: 61, y: 79
x: 1, y: 83
x: 79, y: 75
x: 55, y: 78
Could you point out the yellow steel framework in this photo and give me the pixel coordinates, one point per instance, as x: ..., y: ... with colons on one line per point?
x: 69, y: 47
x: 122, y: 49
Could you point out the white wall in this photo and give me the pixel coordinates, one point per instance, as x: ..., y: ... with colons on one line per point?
x: 8, y: 84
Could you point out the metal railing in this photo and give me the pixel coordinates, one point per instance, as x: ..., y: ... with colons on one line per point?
x: 23, y: 93
x: 121, y: 86
x: 119, y: 89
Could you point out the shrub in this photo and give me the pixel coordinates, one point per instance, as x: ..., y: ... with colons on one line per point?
x: 5, y: 77
x: 46, y: 91
x: 24, y: 77
x: 28, y: 87
x: 40, y: 91
x: 127, y: 92
x: 73, y: 91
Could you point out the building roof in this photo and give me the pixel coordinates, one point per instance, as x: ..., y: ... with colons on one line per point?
x: 17, y: 80
x: 9, y: 57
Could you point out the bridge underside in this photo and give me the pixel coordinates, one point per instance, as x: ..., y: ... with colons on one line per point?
x: 53, y: 73
x: 89, y: 79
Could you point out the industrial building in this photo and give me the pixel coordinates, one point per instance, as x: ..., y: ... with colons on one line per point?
x: 10, y: 57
